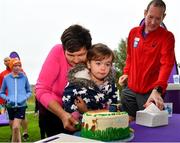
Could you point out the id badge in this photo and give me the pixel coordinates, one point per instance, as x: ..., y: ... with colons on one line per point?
x: 136, y: 41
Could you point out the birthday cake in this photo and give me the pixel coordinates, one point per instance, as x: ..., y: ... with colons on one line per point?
x: 105, y: 126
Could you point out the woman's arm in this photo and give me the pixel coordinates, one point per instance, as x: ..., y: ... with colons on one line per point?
x: 68, y: 121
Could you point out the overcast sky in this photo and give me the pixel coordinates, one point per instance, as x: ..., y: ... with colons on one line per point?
x: 33, y: 27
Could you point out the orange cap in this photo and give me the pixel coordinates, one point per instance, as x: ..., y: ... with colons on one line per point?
x: 14, y: 61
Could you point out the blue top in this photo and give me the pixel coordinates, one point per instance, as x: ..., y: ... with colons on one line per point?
x: 18, y: 88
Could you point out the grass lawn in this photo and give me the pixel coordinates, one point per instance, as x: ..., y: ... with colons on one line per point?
x: 33, y: 128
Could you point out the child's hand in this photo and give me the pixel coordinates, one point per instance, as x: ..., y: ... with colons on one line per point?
x: 76, y: 115
x: 123, y: 80
x: 82, y: 107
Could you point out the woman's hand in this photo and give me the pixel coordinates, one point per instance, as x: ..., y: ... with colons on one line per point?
x: 69, y: 122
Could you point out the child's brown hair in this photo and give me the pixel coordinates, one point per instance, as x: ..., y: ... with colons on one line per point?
x: 99, y: 52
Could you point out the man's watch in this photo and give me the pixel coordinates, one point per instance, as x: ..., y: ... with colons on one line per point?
x: 159, y: 89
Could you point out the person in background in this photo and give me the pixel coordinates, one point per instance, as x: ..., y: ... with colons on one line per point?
x: 4, y: 73
x: 76, y: 41
x: 8, y: 63
x: 150, y: 58
x: 19, y: 90
x: 91, y: 86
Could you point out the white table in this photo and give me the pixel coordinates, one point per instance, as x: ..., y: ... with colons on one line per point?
x: 173, y: 95
x: 66, y: 138
x: 172, y: 86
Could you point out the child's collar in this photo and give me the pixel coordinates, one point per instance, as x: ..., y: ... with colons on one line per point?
x: 15, y: 75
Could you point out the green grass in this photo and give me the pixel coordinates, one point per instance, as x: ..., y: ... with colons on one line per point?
x: 30, y: 107
x: 33, y: 128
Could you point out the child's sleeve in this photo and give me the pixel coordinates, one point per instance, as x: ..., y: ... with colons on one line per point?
x: 3, y: 90
x: 112, y: 94
x: 69, y: 96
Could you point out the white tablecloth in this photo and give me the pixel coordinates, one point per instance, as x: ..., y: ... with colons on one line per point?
x: 66, y: 138
x: 172, y: 86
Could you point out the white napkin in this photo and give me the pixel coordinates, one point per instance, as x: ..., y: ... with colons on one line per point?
x: 152, y: 108
x: 152, y: 116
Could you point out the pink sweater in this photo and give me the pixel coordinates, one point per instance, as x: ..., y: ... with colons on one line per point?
x: 53, y: 77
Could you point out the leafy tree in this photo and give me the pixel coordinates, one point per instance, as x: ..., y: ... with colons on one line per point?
x: 120, y: 58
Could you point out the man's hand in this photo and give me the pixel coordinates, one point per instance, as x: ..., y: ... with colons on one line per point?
x: 82, y: 107
x: 123, y: 80
x: 156, y: 98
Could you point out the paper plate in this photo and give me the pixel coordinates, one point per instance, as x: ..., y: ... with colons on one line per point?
x: 122, y: 140
x: 127, y: 139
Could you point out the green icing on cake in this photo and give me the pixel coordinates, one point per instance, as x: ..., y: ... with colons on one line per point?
x: 107, y: 135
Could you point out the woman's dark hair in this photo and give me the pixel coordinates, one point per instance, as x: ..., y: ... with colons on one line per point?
x: 157, y: 3
x: 75, y: 37
x: 99, y: 52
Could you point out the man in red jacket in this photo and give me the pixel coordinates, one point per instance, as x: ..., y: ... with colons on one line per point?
x: 150, y: 58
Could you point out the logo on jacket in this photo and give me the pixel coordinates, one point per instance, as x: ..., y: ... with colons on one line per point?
x: 136, y: 41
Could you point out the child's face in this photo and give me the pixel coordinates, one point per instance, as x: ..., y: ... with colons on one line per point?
x: 99, y: 69
x: 16, y: 68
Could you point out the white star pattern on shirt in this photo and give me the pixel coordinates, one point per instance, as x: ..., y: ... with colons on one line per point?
x: 97, y: 98
x: 74, y: 107
x: 66, y: 98
x: 83, y: 91
x: 86, y: 100
x: 101, y: 95
x: 75, y: 91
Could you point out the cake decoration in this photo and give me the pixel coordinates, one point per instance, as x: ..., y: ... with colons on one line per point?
x: 105, y: 126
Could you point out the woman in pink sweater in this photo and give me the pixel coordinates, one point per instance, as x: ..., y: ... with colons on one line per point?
x: 52, y: 80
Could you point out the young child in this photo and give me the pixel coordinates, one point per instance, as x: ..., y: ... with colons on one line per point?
x: 91, y: 86
x: 19, y: 91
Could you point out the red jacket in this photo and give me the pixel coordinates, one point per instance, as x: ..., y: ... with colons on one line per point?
x: 2, y: 75
x: 149, y: 60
